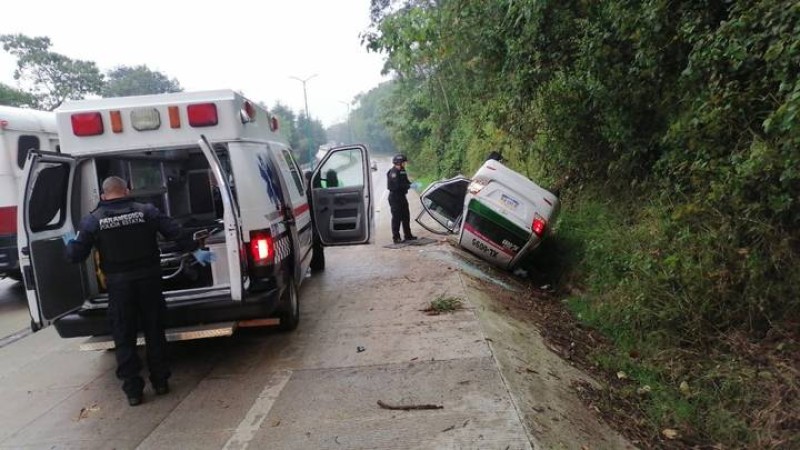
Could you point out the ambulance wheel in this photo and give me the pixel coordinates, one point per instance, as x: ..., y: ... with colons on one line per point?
x: 290, y: 316
x: 317, y: 256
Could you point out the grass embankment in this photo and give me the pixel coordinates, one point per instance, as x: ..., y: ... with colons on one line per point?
x: 679, y: 370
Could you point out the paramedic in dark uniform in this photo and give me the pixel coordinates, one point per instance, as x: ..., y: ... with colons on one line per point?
x: 124, y: 233
x: 398, y: 184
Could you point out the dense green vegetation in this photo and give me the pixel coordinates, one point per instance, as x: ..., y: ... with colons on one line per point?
x: 673, y: 128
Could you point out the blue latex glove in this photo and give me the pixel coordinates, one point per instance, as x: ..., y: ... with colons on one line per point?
x: 416, y: 185
x: 68, y: 237
x: 204, y: 257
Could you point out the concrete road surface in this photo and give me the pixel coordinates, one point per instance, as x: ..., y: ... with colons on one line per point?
x: 14, y: 317
x: 362, y: 338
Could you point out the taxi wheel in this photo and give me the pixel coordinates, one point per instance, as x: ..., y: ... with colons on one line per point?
x: 290, y: 317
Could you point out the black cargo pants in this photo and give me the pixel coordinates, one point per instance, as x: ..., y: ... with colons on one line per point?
x: 398, y: 204
x: 133, y: 305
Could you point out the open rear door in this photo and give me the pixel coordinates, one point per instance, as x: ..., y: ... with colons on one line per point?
x: 341, y: 189
x: 443, y: 201
x: 233, y: 232
x: 53, y: 285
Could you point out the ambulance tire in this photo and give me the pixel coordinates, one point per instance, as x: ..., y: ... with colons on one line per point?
x: 290, y: 307
x: 317, y: 256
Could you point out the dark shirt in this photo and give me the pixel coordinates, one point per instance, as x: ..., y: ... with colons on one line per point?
x: 124, y: 233
x: 397, y: 181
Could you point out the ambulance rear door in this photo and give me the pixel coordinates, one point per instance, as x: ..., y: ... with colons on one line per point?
x: 230, y: 217
x: 53, y: 285
x: 341, y: 189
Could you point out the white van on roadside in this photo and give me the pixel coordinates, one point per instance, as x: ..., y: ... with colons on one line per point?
x: 212, y: 161
x: 21, y: 130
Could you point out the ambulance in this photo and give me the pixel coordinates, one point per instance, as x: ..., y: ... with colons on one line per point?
x: 21, y: 130
x: 499, y: 214
x: 215, y: 162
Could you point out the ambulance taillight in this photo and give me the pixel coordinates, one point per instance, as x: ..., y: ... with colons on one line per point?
x: 202, y: 115
x: 262, y: 247
x: 87, y: 124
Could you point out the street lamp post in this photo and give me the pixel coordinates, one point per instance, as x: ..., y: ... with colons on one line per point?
x: 308, y: 116
x: 349, y: 129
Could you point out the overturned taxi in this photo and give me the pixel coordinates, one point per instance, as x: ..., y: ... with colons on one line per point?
x: 499, y: 214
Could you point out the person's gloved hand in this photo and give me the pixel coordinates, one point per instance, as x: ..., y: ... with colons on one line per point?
x: 416, y: 185
x: 204, y: 257
x: 68, y: 237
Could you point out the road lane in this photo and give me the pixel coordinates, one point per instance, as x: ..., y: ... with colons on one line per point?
x: 14, y: 317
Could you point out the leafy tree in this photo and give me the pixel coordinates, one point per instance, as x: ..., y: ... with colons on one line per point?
x: 50, y: 77
x: 139, y: 80
x: 311, y: 136
x: 297, y: 129
x: 14, y: 97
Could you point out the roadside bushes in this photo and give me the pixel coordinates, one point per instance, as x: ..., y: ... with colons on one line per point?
x: 674, y: 128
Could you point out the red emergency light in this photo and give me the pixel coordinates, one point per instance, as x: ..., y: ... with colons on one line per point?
x: 202, y: 115
x: 248, y: 112
x: 87, y: 124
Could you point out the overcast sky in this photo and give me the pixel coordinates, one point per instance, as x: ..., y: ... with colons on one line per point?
x: 247, y: 45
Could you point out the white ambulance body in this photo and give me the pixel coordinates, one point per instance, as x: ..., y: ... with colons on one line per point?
x: 212, y: 161
x: 21, y: 130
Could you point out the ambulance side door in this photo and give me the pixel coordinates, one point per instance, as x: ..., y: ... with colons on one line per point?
x: 341, y: 189
x: 297, y: 212
x: 53, y: 286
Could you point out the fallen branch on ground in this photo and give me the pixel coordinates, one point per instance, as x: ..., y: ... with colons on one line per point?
x: 384, y: 405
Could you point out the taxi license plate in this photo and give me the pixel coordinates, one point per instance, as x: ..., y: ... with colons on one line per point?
x: 509, y: 202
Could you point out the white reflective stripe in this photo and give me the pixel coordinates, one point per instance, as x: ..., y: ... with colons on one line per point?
x: 282, y: 248
x: 252, y: 421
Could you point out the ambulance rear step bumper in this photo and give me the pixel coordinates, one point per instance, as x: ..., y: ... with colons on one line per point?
x: 95, y: 323
x: 173, y: 335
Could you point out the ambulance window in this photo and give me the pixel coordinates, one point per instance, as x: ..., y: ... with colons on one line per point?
x: 298, y: 180
x: 342, y: 169
x: 48, y: 199
x: 25, y: 144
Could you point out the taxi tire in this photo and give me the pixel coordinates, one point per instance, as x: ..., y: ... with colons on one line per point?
x: 290, y: 314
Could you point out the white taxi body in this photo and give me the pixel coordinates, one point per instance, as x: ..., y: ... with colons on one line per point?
x: 499, y: 214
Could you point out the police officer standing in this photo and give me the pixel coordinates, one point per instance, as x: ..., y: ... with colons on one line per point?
x: 397, y: 182
x: 124, y: 233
